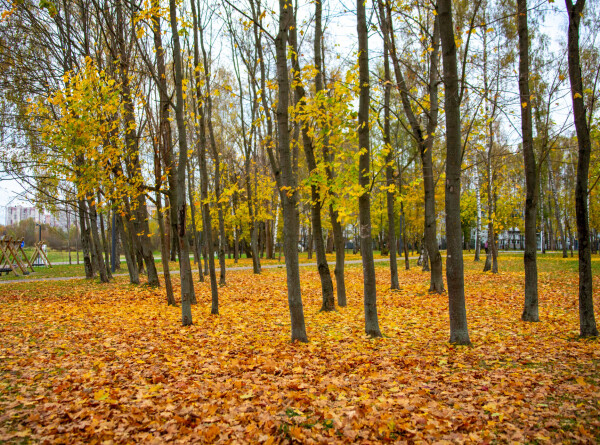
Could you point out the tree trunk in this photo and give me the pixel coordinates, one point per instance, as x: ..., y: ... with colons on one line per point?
x: 197, y: 245
x: 425, y: 260
x: 134, y: 277
x: 338, y: 235
x: 164, y: 252
x: 217, y: 162
x: 97, y: 252
x: 187, y: 289
x: 459, y: 333
x: 404, y: 238
x: 530, y: 309
x: 201, y: 154
x: 316, y: 234
x: 364, y: 178
x: 105, y: 247
x: 85, y: 240
x: 587, y: 321
x: 290, y: 194
x: 478, y: 227
x: 389, y: 171
x: 140, y: 222
x: 563, y: 238
x: 424, y: 139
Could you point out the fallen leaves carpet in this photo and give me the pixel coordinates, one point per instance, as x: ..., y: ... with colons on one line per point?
x: 83, y: 362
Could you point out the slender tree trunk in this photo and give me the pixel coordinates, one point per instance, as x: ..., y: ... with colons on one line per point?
x: 68, y: 234
x: 166, y: 153
x: 217, y: 162
x: 459, y: 333
x: 559, y: 223
x: 587, y: 321
x: 253, y: 222
x: 425, y: 260
x: 201, y: 154
x: 316, y: 198
x: 85, y: 240
x: 290, y: 193
x: 491, y: 263
x: 389, y: 171
x: 164, y: 252
x: 187, y: 289
x: 338, y: 236
x: 196, y: 248
x: 423, y: 138
x: 97, y: 253
x: 236, y: 231
x: 105, y: 247
x: 530, y: 309
x: 404, y: 238
x: 134, y: 276
x: 141, y: 214
x: 364, y: 178
x: 478, y: 227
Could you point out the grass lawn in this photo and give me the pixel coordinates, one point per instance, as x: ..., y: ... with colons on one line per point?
x: 85, y: 362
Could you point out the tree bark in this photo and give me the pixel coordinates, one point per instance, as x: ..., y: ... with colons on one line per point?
x: 389, y: 169
x: 134, y: 276
x: 338, y: 235
x: 217, y: 162
x: 102, y: 271
x: 559, y: 223
x: 530, y: 309
x: 328, y: 303
x: 289, y: 192
x: 201, y: 154
x: 197, y: 244
x: 424, y: 139
x: 85, y: 240
x: 459, y: 333
x: 364, y: 178
x: 187, y: 289
x: 587, y: 321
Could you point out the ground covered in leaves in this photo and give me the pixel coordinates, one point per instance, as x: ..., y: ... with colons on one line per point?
x: 83, y: 362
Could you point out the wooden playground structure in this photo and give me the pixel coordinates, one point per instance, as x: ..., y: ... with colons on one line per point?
x: 13, y: 258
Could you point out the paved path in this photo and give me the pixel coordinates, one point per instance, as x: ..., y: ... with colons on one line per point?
x: 234, y: 268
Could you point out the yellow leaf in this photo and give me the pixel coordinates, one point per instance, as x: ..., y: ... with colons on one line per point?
x: 577, y: 96
x: 524, y: 104
x: 101, y: 395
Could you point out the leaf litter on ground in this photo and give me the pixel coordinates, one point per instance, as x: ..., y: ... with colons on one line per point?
x: 84, y: 362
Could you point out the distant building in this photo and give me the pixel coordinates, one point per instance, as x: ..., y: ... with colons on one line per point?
x: 16, y: 214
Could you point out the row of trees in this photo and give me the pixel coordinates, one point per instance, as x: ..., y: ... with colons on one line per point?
x: 237, y: 121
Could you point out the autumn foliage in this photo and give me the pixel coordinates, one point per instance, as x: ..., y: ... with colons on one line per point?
x: 83, y: 362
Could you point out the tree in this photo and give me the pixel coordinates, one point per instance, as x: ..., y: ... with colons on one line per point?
x: 364, y: 177
x: 459, y: 333
x: 289, y: 192
x: 587, y: 321
x: 424, y: 137
x: 316, y: 198
x: 187, y: 288
x: 530, y: 309
x: 201, y: 154
x: 389, y: 166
